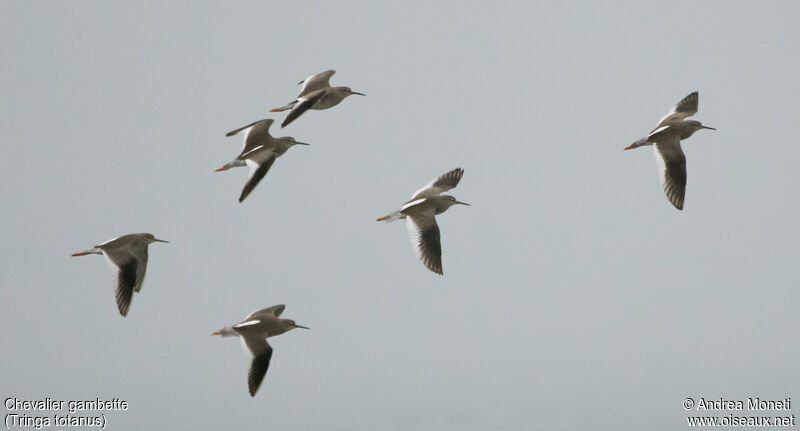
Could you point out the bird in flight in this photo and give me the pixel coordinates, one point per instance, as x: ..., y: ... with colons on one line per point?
x: 316, y: 93
x: 128, y: 256
x: 666, y: 139
x: 420, y: 212
x: 259, y: 152
x: 254, y: 330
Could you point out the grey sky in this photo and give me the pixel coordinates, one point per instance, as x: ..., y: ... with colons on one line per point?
x: 574, y: 296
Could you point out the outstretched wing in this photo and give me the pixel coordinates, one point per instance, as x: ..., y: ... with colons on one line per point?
x: 683, y: 109
x: 140, y: 255
x: 275, y: 310
x: 316, y: 82
x: 239, y: 130
x: 126, y: 281
x: 257, y: 172
x: 129, y: 266
x: 672, y: 170
x: 424, y: 235
x: 304, y: 103
x: 440, y: 184
x: 262, y: 353
x: 254, y: 134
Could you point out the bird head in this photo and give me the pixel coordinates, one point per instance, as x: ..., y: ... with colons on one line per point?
x: 291, y: 142
x: 289, y: 324
x: 346, y: 91
x: 150, y: 238
x: 450, y: 201
x: 698, y: 125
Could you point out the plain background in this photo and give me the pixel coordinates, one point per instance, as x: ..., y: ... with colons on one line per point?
x: 574, y: 296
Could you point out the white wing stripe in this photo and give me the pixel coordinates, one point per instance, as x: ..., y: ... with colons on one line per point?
x: 414, y: 233
x: 660, y: 129
x: 252, y: 165
x: 412, y: 203
x: 254, y: 149
x: 246, y: 134
x: 112, y: 239
x: 248, y: 323
x: 662, y: 166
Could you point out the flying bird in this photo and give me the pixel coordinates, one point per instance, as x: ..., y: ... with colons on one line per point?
x: 259, y: 152
x: 420, y: 213
x: 316, y: 93
x: 254, y: 330
x: 666, y: 139
x: 128, y: 255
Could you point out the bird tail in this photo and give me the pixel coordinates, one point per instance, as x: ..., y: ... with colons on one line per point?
x: 290, y: 105
x: 233, y: 164
x: 85, y: 252
x: 637, y: 144
x: 391, y: 217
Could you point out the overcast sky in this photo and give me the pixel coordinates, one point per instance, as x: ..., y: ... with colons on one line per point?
x: 574, y: 295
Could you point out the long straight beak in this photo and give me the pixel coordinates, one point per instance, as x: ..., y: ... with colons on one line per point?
x: 160, y: 240
x: 356, y: 92
x: 298, y: 326
x: 706, y: 127
x: 301, y: 143
x: 629, y: 147
x: 463, y: 203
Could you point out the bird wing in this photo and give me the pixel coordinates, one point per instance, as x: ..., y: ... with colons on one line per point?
x: 262, y: 353
x: 275, y: 310
x: 126, y: 269
x: 683, y: 109
x: 424, y: 235
x: 140, y: 255
x: 440, y: 184
x: 110, y: 241
x: 257, y: 172
x: 409, y: 204
x: 304, y: 103
x: 672, y: 170
x: 401, y: 212
x: 129, y: 260
x: 316, y: 82
x: 249, y: 321
x: 240, y: 129
x: 254, y: 134
x: 249, y: 152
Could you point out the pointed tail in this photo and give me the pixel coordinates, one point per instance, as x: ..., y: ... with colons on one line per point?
x: 391, y: 217
x: 233, y: 164
x: 85, y: 252
x: 290, y: 105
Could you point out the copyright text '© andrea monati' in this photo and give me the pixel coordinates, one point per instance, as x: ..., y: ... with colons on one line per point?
x: 738, y: 405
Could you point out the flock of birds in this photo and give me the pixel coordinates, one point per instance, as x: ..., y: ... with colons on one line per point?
x: 128, y: 254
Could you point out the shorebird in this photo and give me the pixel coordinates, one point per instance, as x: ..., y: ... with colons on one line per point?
x: 316, y: 93
x: 666, y: 139
x: 128, y: 255
x: 259, y: 152
x: 420, y: 213
x: 254, y: 330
